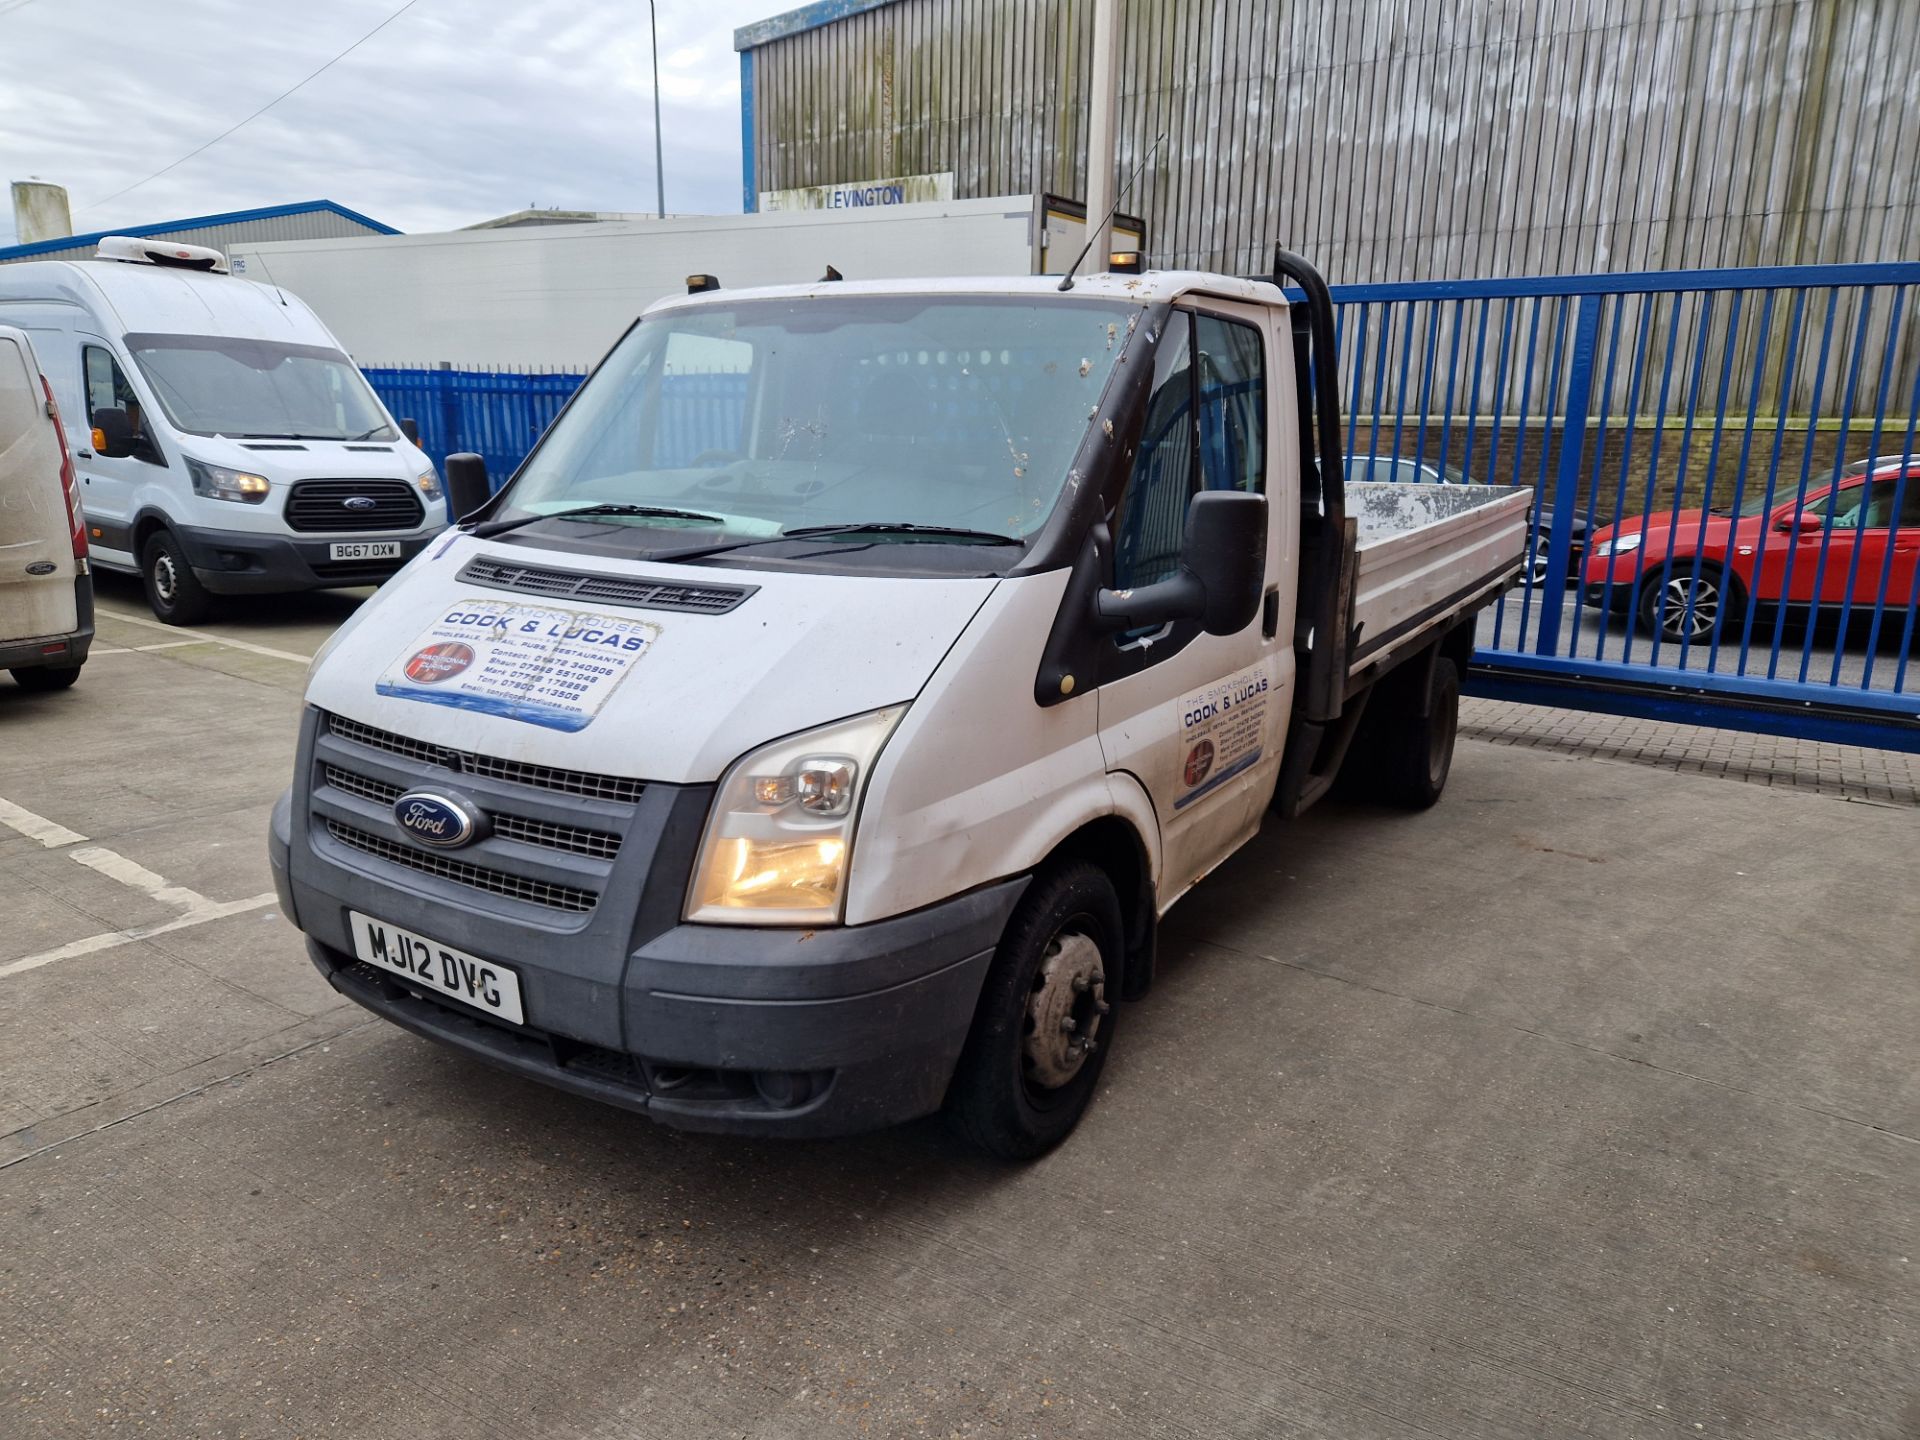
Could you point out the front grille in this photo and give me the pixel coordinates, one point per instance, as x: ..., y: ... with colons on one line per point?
x: 621, y: 590
x: 320, y: 506
x: 516, y: 772
x: 478, y: 877
x: 574, y: 839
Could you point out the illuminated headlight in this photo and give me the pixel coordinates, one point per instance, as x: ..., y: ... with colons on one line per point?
x: 781, y: 832
x: 429, y: 482
x: 1620, y: 544
x: 217, y: 482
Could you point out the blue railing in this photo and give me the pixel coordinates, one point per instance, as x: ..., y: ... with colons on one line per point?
x: 1651, y: 401
x: 494, y: 414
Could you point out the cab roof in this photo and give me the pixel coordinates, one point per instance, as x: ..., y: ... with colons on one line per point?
x: 157, y: 299
x: 1154, y: 287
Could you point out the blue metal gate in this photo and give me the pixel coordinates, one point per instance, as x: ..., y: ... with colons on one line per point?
x: 1728, y: 521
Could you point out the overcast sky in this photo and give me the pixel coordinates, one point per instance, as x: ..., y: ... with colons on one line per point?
x: 457, y: 111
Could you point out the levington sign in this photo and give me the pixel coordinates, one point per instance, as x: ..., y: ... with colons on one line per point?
x: 862, y: 194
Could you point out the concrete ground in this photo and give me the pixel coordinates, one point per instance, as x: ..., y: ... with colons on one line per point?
x: 1584, y: 1104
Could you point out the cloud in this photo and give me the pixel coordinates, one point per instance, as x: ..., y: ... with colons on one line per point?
x: 457, y: 111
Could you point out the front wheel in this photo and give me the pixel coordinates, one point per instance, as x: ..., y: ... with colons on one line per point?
x: 1680, y: 606
x: 1045, y: 1023
x: 173, y: 590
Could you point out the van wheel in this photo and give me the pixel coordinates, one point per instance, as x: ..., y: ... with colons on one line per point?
x: 173, y: 590
x: 1045, y: 1022
x: 45, y: 678
x: 1414, y: 755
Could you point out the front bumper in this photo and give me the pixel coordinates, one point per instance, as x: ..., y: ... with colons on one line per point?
x: 735, y: 1029
x: 241, y: 562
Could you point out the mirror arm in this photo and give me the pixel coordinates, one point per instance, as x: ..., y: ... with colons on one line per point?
x: 1184, y: 597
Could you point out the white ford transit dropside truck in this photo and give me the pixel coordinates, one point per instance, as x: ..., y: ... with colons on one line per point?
x: 814, y: 731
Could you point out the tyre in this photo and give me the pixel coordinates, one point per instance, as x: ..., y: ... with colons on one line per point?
x: 1412, y: 754
x: 45, y: 678
x: 1045, y: 1024
x: 1679, y: 606
x: 1539, y: 564
x: 173, y: 590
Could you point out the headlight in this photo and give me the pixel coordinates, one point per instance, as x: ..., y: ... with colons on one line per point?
x: 1621, y: 544
x: 217, y: 482
x: 429, y: 482
x: 781, y: 831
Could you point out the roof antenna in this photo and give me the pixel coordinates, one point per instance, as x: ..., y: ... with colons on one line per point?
x: 1119, y: 195
x: 270, y: 280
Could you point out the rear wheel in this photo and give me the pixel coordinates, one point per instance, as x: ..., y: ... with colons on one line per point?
x: 1400, y: 756
x: 1045, y: 1022
x: 173, y: 590
x: 46, y: 678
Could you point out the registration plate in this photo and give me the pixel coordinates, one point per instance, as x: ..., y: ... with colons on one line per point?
x: 364, y: 550
x: 484, y: 984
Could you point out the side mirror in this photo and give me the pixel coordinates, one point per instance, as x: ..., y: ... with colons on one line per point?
x: 467, y: 485
x: 411, y: 429
x: 1800, y: 523
x: 112, y: 432
x: 1223, y: 561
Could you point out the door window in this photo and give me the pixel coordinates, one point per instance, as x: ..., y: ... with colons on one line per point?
x: 107, y: 389
x: 1153, y: 507
x: 1232, y: 381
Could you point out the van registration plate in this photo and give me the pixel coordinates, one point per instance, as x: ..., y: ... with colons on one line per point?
x: 364, y: 550
x: 484, y: 984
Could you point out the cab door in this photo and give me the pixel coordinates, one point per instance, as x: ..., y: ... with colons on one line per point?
x: 107, y: 482
x: 1198, y: 719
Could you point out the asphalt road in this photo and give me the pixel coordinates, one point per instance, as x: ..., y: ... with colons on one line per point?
x: 1584, y: 1104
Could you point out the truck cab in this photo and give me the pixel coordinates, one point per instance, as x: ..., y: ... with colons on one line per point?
x: 815, y: 730
x: 222, y: 441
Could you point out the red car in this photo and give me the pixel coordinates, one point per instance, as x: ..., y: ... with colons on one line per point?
x: 1868, y: 525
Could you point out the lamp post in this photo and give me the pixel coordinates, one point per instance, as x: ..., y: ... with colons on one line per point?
x: 659, y: 164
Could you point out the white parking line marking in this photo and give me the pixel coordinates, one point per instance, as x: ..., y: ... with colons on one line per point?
x: 199, y: 915
x: 136, y: 876
x: 37, y: 827
x: 227, y: 640
x: 172, y: 644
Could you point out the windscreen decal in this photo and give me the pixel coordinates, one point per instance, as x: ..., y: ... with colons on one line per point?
x: 549, y: 667
x: 1220, y: 733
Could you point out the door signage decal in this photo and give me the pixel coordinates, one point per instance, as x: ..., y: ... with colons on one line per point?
x: 1220, y: 731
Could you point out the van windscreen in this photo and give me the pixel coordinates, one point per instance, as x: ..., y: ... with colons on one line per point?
x: 224, y: 385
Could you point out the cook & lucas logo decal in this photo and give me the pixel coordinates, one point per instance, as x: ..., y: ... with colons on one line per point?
x: 549, y: 667
x: 1221, y: 729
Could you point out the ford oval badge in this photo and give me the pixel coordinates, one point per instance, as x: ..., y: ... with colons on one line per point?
x: 444, y: 821
x: 359, y: 502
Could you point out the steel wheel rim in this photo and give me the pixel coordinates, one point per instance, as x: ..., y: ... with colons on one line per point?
x: 164, y: 579
x: 1064, y: 1012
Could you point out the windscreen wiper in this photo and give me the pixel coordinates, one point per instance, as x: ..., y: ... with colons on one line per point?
x: 852, y: 527
x: 660, y: 512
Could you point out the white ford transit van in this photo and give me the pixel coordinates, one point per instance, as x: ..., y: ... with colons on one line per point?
x: 234, y: 448
x: 46, y: 595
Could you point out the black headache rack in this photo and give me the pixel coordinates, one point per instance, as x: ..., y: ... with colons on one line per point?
x: 1323, y: 722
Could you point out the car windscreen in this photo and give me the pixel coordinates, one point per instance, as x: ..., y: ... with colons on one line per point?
x: 767, y: 416
x: 223, y: 385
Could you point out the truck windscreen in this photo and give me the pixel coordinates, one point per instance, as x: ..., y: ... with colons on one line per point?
x: 225, y: 385
x: 771, y: 416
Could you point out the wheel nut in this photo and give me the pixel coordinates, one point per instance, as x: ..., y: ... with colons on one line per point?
x: 1067, y: 1025
x: 1101, y: 1007
x: 1079, y: 984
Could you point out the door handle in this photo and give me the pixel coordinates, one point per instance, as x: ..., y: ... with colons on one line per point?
x: 1270, y: 613
x: 83, y: 454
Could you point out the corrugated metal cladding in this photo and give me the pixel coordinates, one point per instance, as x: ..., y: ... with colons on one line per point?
x: 1395, y: 139
x: 307, y: 225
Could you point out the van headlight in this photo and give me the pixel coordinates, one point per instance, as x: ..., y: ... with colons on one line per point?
x: 429, y: 482
x: 781, y: 831
x: 217, y: 482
